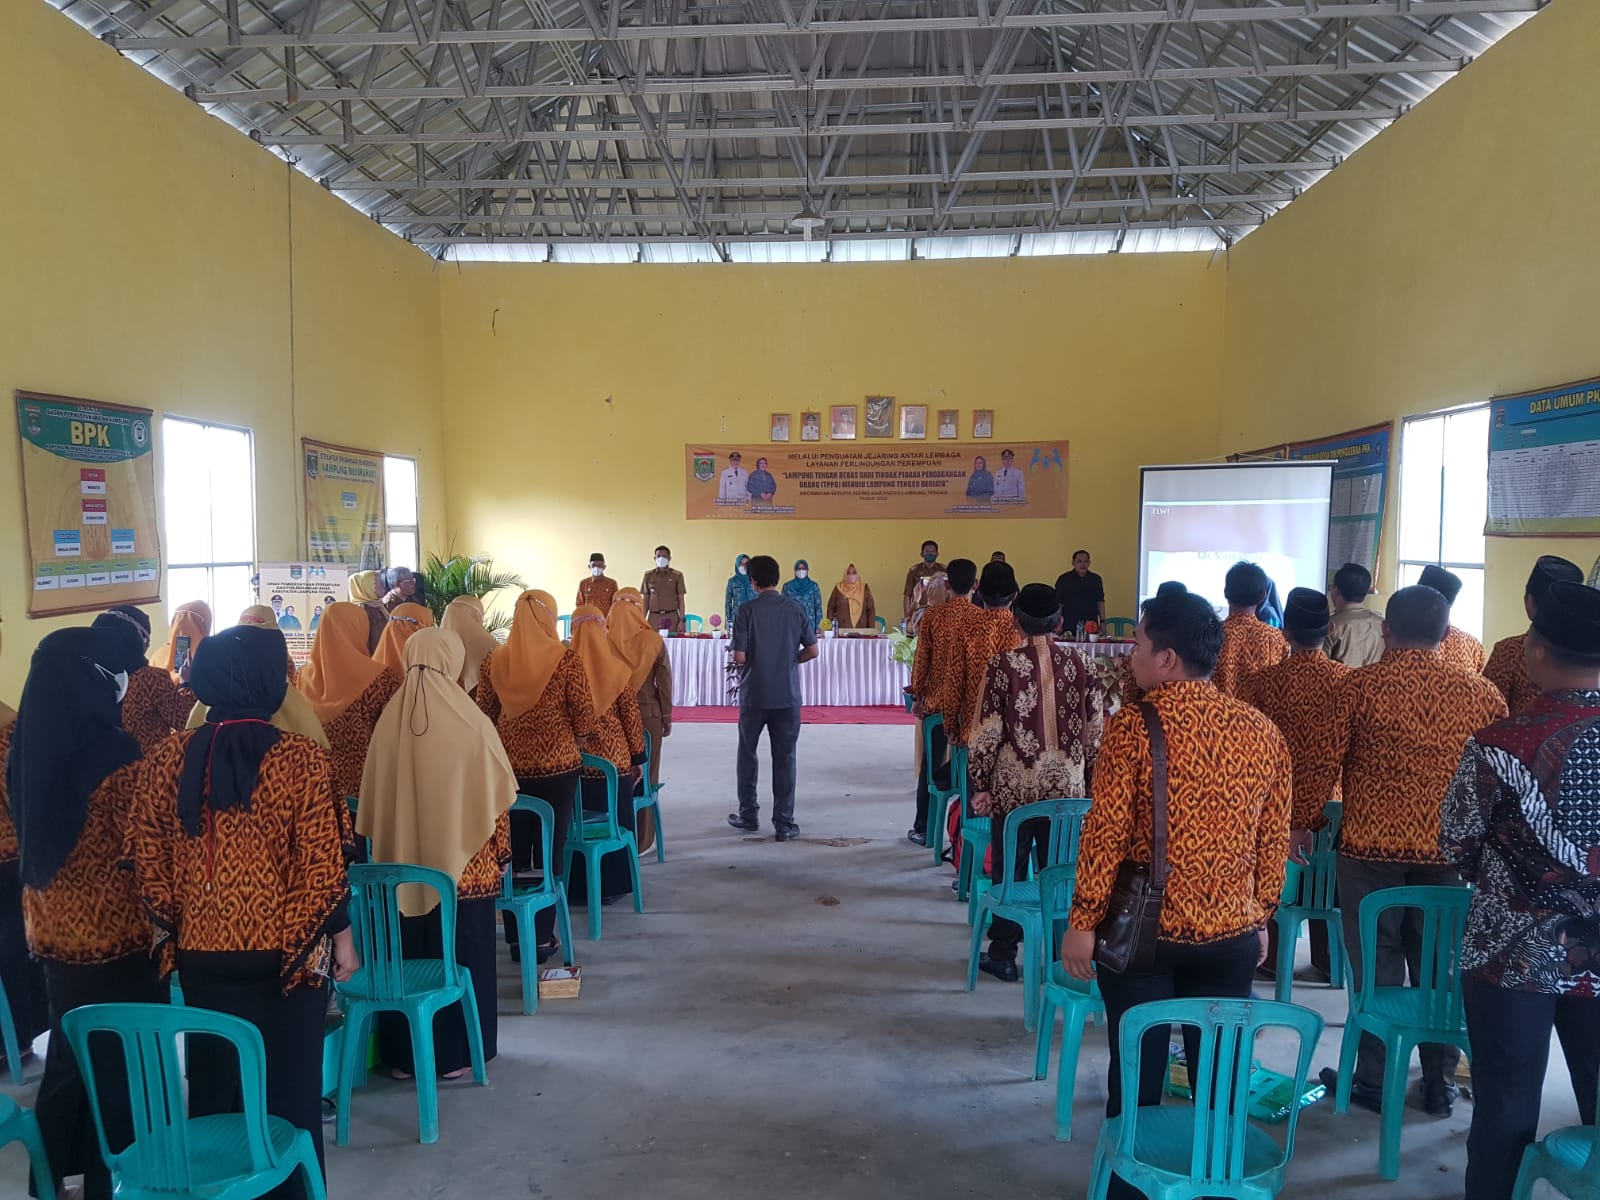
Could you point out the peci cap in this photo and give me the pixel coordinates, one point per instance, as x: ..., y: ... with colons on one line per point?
x: 1038, y: 600
x: 1305, y: 613
x: 1569, y: 617
x: 1550, y: 569
x: 998, y: 581
x: 1446, y: 583
x: 597, y: 558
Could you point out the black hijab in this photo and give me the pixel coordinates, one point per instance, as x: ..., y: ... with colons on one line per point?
x: 238, y: 674
x: 68, y: 739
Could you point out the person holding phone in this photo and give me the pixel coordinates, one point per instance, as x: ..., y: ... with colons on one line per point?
x: 158, y: 700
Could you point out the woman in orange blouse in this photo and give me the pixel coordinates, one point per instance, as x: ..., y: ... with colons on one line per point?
x: 70, y: 777
x: 618, y: 738
x: 645, y: 652
x: 347, y: 690
x: 535, y: 691
x: 404, y: 621
x: 236, y: 849
x: 158, y: 701
x: 437, y: 791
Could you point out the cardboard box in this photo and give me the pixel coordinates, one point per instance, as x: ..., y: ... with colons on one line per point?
x: 560, y: 982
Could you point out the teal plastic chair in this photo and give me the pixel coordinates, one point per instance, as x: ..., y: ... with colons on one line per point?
x: 1078, y: 1001
x: 8, y: 1037
x: 1018, y: 900
x: 390, y: 982
x: 1568, y: 1159
x: 17, y: 1124
x: 883, y: 624
x: 1120, y: 626
x: 693, y: 623
x: 1309, y: 895
x: 173, y: 1156
x: 597, y: 835
x: 523, y: 902
x: 649, y: 800
x: 938, y: 797
x: 1209, y: 1148
x: 976, y: 834
x: 1401, y: 1017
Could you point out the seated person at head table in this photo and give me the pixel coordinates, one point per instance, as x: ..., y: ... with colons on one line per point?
x: 850, y: 605
x: 980, y: 485
x: 403, y: 587
x: 762, y: 486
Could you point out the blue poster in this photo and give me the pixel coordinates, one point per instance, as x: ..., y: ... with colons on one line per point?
x: 1360, y: 479
x: 1544, y: 462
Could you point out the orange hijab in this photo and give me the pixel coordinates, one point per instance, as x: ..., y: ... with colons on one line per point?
x: 463, y: 617
x: 405, y: 620
x: 607, y: 671
x: 191, y: 620
x: 340, y: 668
x: 521, y: 669
x: 631, y: 636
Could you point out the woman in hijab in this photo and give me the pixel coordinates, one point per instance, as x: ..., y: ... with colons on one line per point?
x: 463, y: 617
x: 739, y: 591
x: 618, y: 738
x: 70, y: 777
x: 294, y: 715
x: 238, y: 856
x: 347, y: 691
x: 157, y: 704
x: 363, y: 589
x: 850, y: 606
x: 404, y: 621
x: 803, y: 590
x: 436, y: 792
x: 21, y: 977
x: 535, y: 691
x: 650, y: 675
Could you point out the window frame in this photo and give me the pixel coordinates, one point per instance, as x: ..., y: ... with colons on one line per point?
x: 1405, y: 566
x: 170, y: 565
x: 414, y: 528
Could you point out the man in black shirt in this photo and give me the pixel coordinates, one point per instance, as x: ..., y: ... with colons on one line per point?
x: 1082, y: 593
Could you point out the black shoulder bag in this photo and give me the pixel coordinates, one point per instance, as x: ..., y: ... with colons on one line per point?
x: 1126, y: 935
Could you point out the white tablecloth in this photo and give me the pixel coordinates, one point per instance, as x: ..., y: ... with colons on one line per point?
x: 850, y: 672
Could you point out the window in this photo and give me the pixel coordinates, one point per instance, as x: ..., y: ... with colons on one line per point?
x: 1444, y: 498
x: 400, y: 511
x: 208, y: 501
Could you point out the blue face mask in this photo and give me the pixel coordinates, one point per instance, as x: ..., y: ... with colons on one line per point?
x: 931, y: 558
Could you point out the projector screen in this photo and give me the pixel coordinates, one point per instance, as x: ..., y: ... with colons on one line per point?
x: 1197, y: 521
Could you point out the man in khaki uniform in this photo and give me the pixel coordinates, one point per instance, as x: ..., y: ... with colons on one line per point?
x: 921, y: 572
x: 664, y: 593
x: 1355, y: 633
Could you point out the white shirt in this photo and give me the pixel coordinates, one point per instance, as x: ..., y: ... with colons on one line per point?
x: 1009, y: 484
x: 733, y: 485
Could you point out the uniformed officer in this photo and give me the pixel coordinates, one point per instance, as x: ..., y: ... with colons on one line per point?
x: 664, y: 593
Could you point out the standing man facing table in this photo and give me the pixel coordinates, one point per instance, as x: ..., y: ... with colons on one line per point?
x: 1522, y: 822
x: 664, y: 594
x: 1507, y: 666
x: 771, y: 638
x: 1355, y: 632
x: 926, y: 569
x: 1459, y: 648
x: 1082, y: 594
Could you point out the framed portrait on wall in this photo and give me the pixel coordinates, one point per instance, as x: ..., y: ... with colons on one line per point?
x: 780, y: 427
x: 842, y: 422
x: 810, y: 427
x: 949, y: 423
x: 913, y: 421
x: 983, y: 422
x: 880, y: 416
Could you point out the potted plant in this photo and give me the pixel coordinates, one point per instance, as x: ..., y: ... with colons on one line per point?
x: 464, y: 575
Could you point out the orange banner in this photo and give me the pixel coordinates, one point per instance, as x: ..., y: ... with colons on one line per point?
x: 876, y: 482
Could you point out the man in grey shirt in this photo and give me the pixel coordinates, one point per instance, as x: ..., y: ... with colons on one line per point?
x: 772, y: 636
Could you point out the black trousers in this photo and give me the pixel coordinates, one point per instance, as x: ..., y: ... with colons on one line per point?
x: 1510, y: 1050
x: 1399, y: 952
x: 1225, y: 969
x: 22, y: 976
x: 561, y: 793
x: 615, y: 878
x: 1033, y: 837
x: 783, y: 736
x: 246, y: 984
x: 423, y: 937
x: 62, y: 1105
x: 940, y: 741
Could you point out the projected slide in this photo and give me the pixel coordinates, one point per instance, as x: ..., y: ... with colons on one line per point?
x: 1196, y: 522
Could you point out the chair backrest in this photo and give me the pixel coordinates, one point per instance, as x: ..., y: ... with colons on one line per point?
x: 375, y: 918
x: 1314, y: 883
x: 693, y: 622
x: 649, y: 760
x: 547, y: 826
x: 929, y: 723
x: 1221, y: 1079
x: 1118, y: 624
x: 1444, y: 923
x: 883, y: 624
x: 1056, y: 888
x: 592, y: 821
x: 158, y: 1159
x: 1066, y: 823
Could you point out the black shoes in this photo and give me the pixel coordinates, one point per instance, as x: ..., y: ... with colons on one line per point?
x: 743, y: 826
x: 1362, y: 1096
x: 916, y: 837
x: 1439, y: 1099
x: 1004, y: 970
x: 787, y: 834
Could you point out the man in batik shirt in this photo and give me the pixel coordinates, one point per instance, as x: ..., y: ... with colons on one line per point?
x: 1522, y: 822
x: 1038, y: 731
x: 1459, y: 648
x: 1506, y: 668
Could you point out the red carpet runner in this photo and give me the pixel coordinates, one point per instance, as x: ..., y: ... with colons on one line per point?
x: 825, y: 715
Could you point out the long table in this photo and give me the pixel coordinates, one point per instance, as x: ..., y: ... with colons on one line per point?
x: 848, y: 673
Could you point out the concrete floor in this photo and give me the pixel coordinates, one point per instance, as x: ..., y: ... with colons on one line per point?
x: 790, y: 1021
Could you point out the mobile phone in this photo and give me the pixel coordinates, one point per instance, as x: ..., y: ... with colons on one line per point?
x: 180, y: 651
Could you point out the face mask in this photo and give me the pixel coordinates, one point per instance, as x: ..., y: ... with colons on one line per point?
x: 931, y: 558
x: 852, y: 577
x: 117, y: 679
x: 743, y: 570
x: 599, y: 571
x: 662, y: 561
x: 801, y: 573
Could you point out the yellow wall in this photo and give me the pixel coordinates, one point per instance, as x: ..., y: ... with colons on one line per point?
x: 148, y: 263
x: 573, y: 389
x: 1452, y: 259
